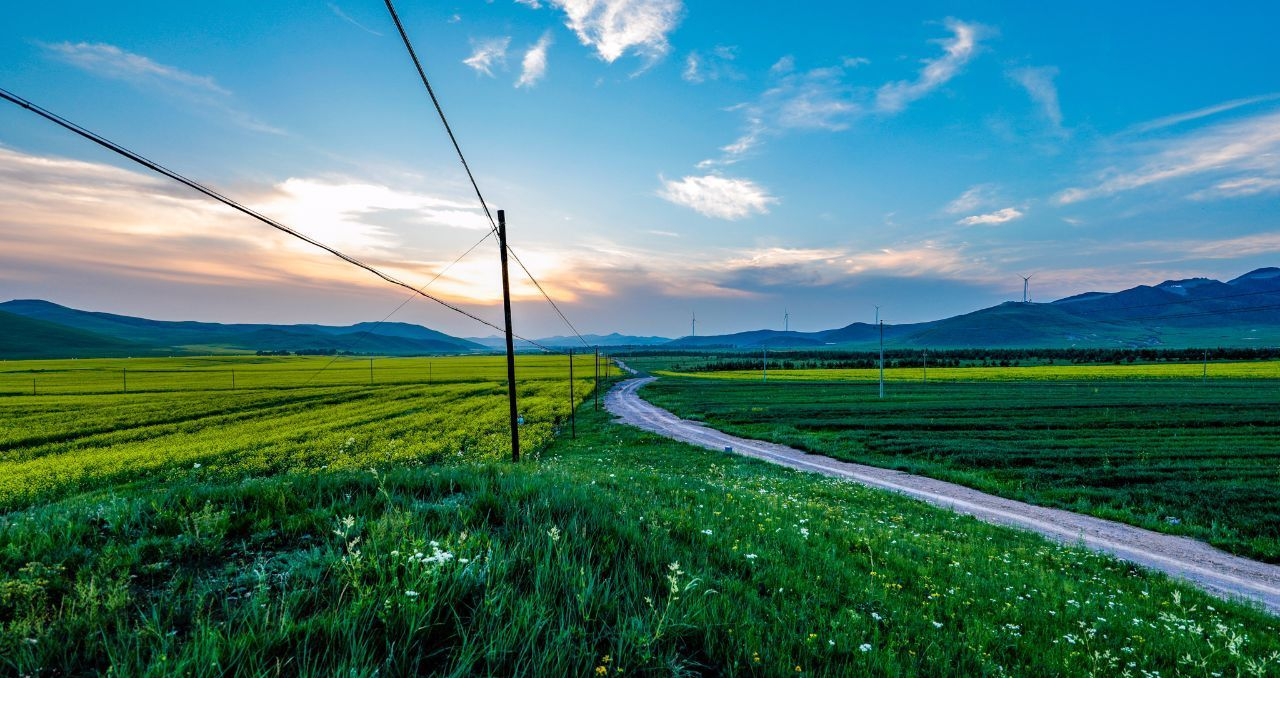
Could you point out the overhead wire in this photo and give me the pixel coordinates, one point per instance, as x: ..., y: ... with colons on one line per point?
x: 162, y: 170
x: 422, y: 74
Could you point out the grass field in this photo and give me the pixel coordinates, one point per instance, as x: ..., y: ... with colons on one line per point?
x: 1189, y: 457
x: 1212, y: 371
x: 181, y: 417
x: 620, y: 554
x: 334, y: 531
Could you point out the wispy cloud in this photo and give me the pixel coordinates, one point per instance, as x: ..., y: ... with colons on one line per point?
x: 615, y: 27
x: 486, y: 53
x: 110, y: 61
x: 700, y: 67
x: 1038, y: 82
x: 974, y: 198
x: 1178, y: 119
x: 1240, y: 187
x: 534, y: 66
x: 720, y: 197
x: 339, y: 12
x: 1240, y: 154
x: 958, y: 50
x: 1008, y: 214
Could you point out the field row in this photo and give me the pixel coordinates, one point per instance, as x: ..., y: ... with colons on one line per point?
x: 1212, y: 371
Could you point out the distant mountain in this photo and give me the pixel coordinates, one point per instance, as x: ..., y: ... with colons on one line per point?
x: 118, y: 335
x: 1178, y: 313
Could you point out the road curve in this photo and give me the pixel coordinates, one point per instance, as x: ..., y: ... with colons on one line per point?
x: 1211, y: 569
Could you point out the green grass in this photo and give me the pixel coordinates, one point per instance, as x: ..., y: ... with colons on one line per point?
x: 621, y: 554
x: 182, y: 418
x: 1185, y: 457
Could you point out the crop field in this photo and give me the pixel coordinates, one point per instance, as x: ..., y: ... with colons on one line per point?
x: 98, y: 422
x: 1213, y: 371
x: 1180, y: 456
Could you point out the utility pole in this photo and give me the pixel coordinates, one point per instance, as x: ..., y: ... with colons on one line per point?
x: 233, y: 379
x: 124, y: 376
x: 925, y: 365
x: 764, y: 366
x: 595, y: 390
x: 573, y: 405
x: 370, y: 371
x: 1204, y: 376
x: 511, y: 349
x: 881, y: 352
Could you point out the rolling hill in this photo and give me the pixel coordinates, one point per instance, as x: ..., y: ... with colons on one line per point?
x: 55, y: 331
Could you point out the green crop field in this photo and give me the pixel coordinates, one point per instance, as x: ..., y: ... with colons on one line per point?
x: 330, y: 528
x: 97, y: 422
x: 1151, y: 445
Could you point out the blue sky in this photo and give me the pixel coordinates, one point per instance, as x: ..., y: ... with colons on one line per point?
x: 654, y: 157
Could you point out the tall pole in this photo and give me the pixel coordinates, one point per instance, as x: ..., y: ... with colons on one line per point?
x: 573, y: 405
x: 764, y: 366
x: 595, y: 391
x: 925, y: 378
x: 370, y: 371
x: 124, y: 377
x: 693, y: 324
x: 881, y: 353
x: 511, y: 349
x: 1204, y: 376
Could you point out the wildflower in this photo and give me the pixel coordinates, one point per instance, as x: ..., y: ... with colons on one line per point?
x: 755, y: 657
x: 411, y: 593
x: 799, y: 669
x: 865, y: 647
x: 706, y: 531
x: 875, y: 615
x: 752, y: 556
x: 554, y: 533
x: 196, y: 465
x: 602, y: 671
x: 804, y: 532
x: 936, y: 624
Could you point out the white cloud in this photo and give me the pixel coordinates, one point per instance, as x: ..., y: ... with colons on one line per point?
x: 534, y: 65
x: 1240, y: 187
x: 1008, y: 214
x: 1038, y: 82
x: 957, y: 52
x: 974, y: 198
x: 115, y: 63
x: 487, y: 53
x: 719, y: 197
x: 1248, y: 149
x: 1171, y: 120
x: 616, y: 27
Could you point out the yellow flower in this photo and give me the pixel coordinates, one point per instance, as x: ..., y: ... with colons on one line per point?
x: 799, y: 669
x: 602, y: 671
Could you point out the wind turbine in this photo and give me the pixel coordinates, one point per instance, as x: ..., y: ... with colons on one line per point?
x: 786, y: 320
x: 1026, y: 281
x: 693, y: 324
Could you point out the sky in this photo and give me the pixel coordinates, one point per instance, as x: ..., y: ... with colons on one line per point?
x: 655, y: 158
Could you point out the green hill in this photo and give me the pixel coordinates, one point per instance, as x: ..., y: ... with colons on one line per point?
x: 26, y: 338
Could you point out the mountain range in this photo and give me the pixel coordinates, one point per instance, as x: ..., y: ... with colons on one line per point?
x: 1197, y: 312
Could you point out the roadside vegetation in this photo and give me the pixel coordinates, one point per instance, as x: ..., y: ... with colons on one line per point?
x: 1129, y: 443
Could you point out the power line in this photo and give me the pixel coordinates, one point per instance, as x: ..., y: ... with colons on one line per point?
x: 160, y: 169
x: 422, y: 74
x: 547, y: 296
x: 440, y: 111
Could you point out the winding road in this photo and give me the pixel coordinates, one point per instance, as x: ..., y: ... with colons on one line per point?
x: 1211, y: 569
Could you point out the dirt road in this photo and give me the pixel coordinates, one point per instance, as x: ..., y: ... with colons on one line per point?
x: 1213, y: 570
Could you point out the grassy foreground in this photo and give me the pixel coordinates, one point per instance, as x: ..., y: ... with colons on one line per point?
x: 620, y: 554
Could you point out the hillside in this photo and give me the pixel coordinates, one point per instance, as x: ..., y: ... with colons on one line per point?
x: 1198, y: 312
x: 26, y: 338
x: 120, y: 335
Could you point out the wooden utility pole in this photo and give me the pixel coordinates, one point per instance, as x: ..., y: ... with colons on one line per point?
x: 511, y: 348
x: 881, y: 353
x: 595, y: 391
x: 371, y: 371
x: 124, y: 377
x: 573, y: 405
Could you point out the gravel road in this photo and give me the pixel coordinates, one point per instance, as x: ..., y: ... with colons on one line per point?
x: 1215, y: 571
